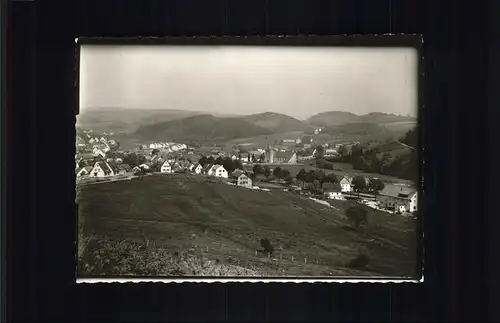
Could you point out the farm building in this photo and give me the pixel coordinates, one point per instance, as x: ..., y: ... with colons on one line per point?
x: 401, y: 198
x: 332, y: 191
x: 239, y: 178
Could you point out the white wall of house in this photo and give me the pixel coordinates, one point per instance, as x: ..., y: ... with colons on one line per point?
x: 414, y: 202
x: 221, y: 172
x: 345, y: 186
x: 244, y: 181
x: 97, y: 171
x: 334, y: 195
x: 198, y: 169
x: 165, y: 168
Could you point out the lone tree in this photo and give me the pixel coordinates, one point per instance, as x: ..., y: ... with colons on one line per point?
x: 257, y: 169
x: 278, y: 172
x: 287, y: 176
x: 357, y: 216
x: 301, y: 176
x: 266, y: 246
x: 267, y: 172
x: 320, y: 151
x: 375, y: 185
x: 359, y: 184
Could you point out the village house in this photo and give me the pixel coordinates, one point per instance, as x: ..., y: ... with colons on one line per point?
x: 399, y: 198
x: 332, y: 191
x: 144, y: 166
x: 346, y: 184
x: 245, y: 157
x: 239, y: 178
x: 101, y: 169
x: 98, y: 152
x: 218, y: 171
x: 197, y: 168
x: 166, y: 167
x: 136, y: 170
x: 84, y: 171
x: 285, y: 157
x: 206, y: 168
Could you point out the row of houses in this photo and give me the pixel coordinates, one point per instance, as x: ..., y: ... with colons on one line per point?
x: 393, y: 196
x: 105, y: 170
x: 172, y: 146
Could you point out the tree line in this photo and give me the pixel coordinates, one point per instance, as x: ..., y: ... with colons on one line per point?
x: 372, y: 161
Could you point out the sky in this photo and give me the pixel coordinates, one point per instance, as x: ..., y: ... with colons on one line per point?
x: 298, y: 81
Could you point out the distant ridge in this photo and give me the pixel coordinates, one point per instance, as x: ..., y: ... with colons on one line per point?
x: 276, y: 122
x: 336, y: 118
x: 201, y: 128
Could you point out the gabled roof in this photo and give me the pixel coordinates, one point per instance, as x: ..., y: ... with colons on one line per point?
x: 237, y: 173
x: 331, y: 187
x: 216, y: 167
x: 346, y: 178
x: 284, y: 154
x: 105, y: 167
x: 207, y: 167
x: 397, y: 191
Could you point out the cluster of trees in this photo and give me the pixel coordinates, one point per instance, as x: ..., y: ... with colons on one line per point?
x: 374, y: 185
x: 229, y: 164
x: 134, y: 159
x: 314, y: 179
x: 369, y: 160
x: 278, y: 172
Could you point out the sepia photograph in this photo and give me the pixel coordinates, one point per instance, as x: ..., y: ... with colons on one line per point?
x: 248, y: 162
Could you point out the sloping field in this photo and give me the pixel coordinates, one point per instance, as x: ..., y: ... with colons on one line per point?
x: 182, y: 213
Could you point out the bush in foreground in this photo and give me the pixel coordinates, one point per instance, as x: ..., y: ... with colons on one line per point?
x: 360, y: 262
x: 357, y: 216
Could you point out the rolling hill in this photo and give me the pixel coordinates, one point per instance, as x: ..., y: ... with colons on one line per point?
x: 122, y: 120
x: 335, y: 118
x: 276, y: 122
x: 200, y: 128
x: 221, y: 222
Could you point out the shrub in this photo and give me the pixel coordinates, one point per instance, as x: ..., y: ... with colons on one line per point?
x: 360, y: 262
x: 266, y: 245
x: 357, y: 216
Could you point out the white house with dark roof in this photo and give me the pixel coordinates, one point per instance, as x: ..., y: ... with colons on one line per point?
x: 218, y: 171
x: 332, y: 191
x: 197, y: 169
x: 399, y: 197
x: 84, y: 171
x: 166, y: 167
x: 346, y: 184
x: 101, y: 169
x: 241, y: 179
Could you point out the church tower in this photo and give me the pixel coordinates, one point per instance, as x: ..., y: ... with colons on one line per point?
x: 269, y: 153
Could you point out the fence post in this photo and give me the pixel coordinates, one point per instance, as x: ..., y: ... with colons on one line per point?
x: 292, y: 258
x: 305, y: 260
x: 255, y: 253
x: 268, y: 255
